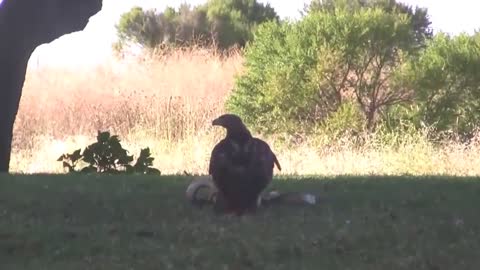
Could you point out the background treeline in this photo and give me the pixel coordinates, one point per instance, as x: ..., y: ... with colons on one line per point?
x: 219, y: 23
x: 345, y: 68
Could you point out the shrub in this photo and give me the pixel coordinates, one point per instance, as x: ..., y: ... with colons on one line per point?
x: 446, y: 81
x: 347, y: 121
x: 140, y: 27
x: 107, y: 155
x: 224, y: 23
x: 233, y: 21
x: 297, y: 74
x: 419, y: 16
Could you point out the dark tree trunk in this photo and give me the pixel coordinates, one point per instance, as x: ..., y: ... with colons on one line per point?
x: 24, y: 25
x: 371, y: 119
x: 12, y: 76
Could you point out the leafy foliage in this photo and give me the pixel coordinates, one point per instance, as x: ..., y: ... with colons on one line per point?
x: 300, y: 73
x: 219, y: 22
x: 139, y: 26
x: 419, y: 16
x: 345, y: 122
x: 233, y: 21
x: 446, y: 81
x: 107, y: 155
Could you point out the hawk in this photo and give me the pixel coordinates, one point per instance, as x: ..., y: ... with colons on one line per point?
x: 241, y: 166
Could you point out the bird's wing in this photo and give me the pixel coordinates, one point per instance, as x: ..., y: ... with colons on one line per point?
x: 221, y: 158
x: 216, y: 157
x: 261, y: 152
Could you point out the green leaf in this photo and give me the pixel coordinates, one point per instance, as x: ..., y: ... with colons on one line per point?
x: 103, y: 137
x: 124, y: 160
x: 88, y: 155
x: 66, y: 165
x: 75, y: 156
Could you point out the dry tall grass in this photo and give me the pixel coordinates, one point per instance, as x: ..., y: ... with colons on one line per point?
x: 168, y: 104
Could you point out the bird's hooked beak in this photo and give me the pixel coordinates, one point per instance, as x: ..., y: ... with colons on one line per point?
x: 217, y: 122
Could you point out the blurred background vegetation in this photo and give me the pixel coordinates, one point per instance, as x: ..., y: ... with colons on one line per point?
x: 352, y: 86
x: 378, y: 57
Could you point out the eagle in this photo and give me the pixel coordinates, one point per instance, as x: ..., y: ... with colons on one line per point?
x: 241, y: 166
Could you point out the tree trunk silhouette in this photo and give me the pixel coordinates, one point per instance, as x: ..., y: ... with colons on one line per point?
x: 25, y: 25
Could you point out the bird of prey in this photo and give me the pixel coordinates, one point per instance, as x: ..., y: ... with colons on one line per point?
x: 241, y: 166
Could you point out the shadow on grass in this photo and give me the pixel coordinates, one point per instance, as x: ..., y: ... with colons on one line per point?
x: 144, y: 222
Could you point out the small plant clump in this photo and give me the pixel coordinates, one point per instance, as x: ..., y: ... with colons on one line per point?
x: 107, y: 155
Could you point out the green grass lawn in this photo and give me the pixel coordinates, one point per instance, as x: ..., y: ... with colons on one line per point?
x: 97, y: 222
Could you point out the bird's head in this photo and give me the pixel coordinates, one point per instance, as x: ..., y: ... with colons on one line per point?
x: 228, y: 121
x: 234, y: 126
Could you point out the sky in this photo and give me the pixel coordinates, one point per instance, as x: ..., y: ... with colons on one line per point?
x: 93, y: 44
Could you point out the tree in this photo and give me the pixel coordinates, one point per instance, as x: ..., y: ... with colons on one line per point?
x: 233, y: 21
x: 299, y: 73
x: 141, y: 27
x: 447, y: 83
x: 221, y: 22
x: 25, y: 25
x: 421, y: 23
x: 191, y: 25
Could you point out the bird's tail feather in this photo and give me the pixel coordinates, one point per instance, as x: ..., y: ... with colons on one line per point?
x: 276, y: 162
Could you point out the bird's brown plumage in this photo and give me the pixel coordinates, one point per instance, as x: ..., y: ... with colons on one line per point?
x: 241, y: 165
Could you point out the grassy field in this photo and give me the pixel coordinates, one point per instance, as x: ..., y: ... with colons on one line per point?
x: 50, y: 221
x: 97, y: 222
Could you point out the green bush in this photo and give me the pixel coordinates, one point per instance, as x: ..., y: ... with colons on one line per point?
x: 140, y: 27
x: 223, y: 23
x: 400, y: 117
x: 346, y: 122
x: 419, y: 16
x: 446, y: 83
x: 297, y: 74
x: 234, y: 21
x: 107, y: 155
